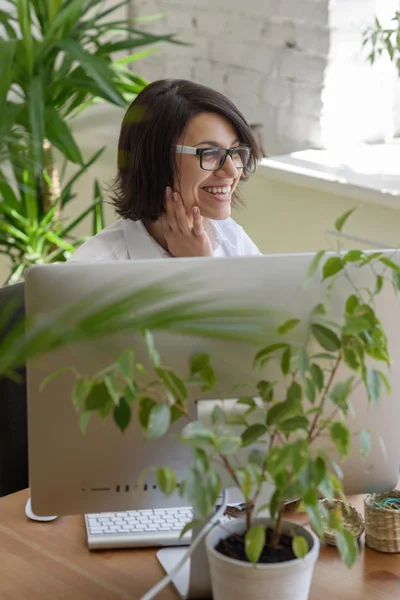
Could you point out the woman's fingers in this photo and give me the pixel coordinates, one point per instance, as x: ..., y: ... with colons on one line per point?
x: 198, y: 228
x: 181, y: 216
x: 170, y: 210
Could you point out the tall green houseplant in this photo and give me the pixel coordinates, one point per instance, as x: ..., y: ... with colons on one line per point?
x: 57, y: 59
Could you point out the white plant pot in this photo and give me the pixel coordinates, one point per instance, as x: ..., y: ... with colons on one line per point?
x: 235, y: 580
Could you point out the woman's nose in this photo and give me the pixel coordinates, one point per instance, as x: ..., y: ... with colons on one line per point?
x: 228, y: 168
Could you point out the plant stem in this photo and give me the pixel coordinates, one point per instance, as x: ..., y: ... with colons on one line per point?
x: 323, y: 398
x: 277, y: 530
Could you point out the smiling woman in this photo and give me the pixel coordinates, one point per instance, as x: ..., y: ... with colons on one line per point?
x: 183, y: 149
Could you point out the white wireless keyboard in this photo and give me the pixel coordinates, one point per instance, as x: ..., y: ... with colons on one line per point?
x: 139, y: 528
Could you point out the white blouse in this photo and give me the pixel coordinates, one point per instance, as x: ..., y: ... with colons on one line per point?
x: 129, y: 240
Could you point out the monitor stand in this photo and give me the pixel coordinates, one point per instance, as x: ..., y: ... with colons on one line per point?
x: 192, y: 581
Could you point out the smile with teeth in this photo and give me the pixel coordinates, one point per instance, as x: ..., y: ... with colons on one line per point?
x: 219, y: 191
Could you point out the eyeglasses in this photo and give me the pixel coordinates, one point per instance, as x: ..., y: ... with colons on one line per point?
x: 212, y: 159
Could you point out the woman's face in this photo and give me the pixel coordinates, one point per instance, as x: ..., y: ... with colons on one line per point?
x: 211, y: 191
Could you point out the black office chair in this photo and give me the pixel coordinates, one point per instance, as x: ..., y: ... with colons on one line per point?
x: 13, y: 406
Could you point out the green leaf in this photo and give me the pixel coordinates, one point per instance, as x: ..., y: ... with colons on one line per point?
x: 315, y: 518
x: 294, y: 393
x: 347, y: 546
x: 293, y: 424
x: 172, y: 383
x: 151, y: 348
x: 145, y: 407
x: 379, y: 284
x: 333, y: 265
x: 247, y: 401
x: 303, y: 362
x: 325, y: 337
x: 300, y: 546
x: 257, y: 457
x: 267, y: 351
x: 351, y: 304
x: 98, y: 212
x: 95, y: 67
x: 351, y: 359
x: 197, y: 492
x: 24, y: 20
x: 288, y: 326
x: 125, y: 365
x: 279, y: 412
x: 365, y: 443
x: 159, y: 421
x: 217, y: 415
x: 122, y: 414
x: 36, y: 121
x: 254, y: 543
x: 317, y: 376
x: 341, y: 221
x: 80, y: 392
x: 201, y: 365
x: 166, y: 480
x: 197, y: 434
x: 266, y: 390
x: 373, y: 383
x: 228, y: 445
x: 356, y: 324
x: 370, y: 258
x: 309, y: 390
x: 84, y: 421
x: 285, y: 360
x: 353, y: 256
x: 235, y: 419
x: 188, y: 527
x: 112, y: 387
x: 253, y: 433
x: 319, y: 309
x: 97, y: 397
x: 389, y: 263
x: 340, y: 436
x: 340, y: 393
x: 59, y: 134
x: 314, y: 264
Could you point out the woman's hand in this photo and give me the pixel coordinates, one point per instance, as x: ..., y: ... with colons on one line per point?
x: 182, y: 238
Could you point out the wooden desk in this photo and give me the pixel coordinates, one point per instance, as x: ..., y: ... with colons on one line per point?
x: 50, y: 561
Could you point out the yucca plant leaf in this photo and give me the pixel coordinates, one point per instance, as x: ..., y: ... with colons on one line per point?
x: 7, y: 52
x: 95, y: 67
x: 6, y: 19
x: 57, y: 241
x: 65, y: 194
x: 126, y: 60
x: 13, y: 215
x: 13, y: 231
x: 36, y: 121
x: 71, y: 226
x: 25, y: 23
x: 98, y: 214
x: 63, y: 20
x: 59, y: 134
x: 7, y: 194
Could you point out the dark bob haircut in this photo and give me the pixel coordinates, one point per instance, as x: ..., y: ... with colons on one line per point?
x: 151, y: 127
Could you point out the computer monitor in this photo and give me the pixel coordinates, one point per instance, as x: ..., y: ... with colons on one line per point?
x: 75, y: 473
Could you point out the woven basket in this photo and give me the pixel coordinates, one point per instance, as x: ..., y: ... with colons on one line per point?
x: 382, y: 526
x: 352, y: 520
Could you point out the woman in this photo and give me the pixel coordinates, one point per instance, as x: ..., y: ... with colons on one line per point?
x: 183, y: 149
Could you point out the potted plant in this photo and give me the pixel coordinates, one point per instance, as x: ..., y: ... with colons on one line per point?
x: 268, y: 438
x: 58, y: 57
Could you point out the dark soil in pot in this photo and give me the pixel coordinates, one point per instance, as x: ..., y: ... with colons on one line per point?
x: 233, y: 547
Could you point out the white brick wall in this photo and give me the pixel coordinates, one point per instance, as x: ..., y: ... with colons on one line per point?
x: 295, y: 66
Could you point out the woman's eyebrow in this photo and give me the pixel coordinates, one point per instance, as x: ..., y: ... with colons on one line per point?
x: 214, y: 143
